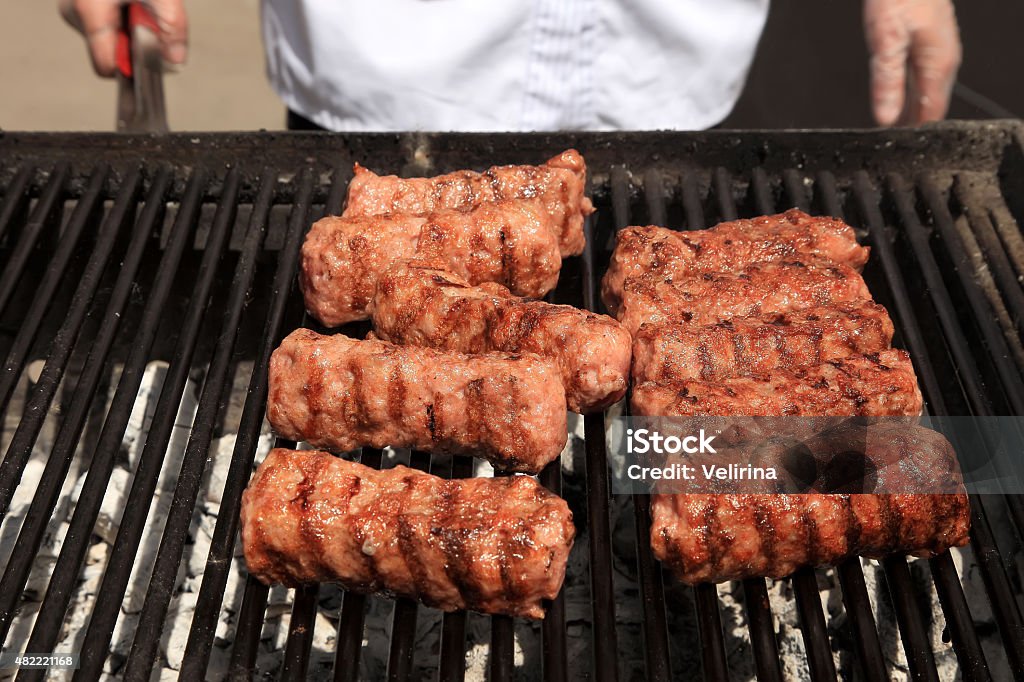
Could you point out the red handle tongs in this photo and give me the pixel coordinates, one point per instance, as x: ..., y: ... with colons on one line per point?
x: 140, y: 98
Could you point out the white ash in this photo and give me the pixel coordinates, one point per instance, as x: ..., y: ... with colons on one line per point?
x: 379, y: 614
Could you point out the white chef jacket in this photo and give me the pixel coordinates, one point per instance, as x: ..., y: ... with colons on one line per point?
x: 516, y: 65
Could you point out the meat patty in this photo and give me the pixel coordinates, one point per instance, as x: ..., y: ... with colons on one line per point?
x: 728, y: 247
x: 509, y: 242
x: 558, y: 184
x: 419, y: 305
x: 757, y: 345
x: 495, y: 545
x: 340, y: 393
x: 881, y: 384
x: 757, y: 289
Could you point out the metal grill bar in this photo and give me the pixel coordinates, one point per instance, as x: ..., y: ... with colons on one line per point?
x: 858, y: 608
x: 350, y: 637
x: 758, y: 608
x: 211, y: 401
x: 993, y: 336
x: 200, y: 637
x: 113, y: 429
x: 994, y: 575
x: 973, y: 665
x: 53, y: 371
x: 55, y: 603
x: 944, y: 307
x: 908, y: 615
x: 403, y: 628
x: 654, y: 193
x: 723, y: 193
x: 993, y: 572
x: 812, y: 625
x: 42, y: 222
x: 850, y: 572
x: 602, y: 591
x: 300, y: 634
x: 353, y: 610
x: 20, y: 563
x: 85, y: 214
x: 553, y: 628
x: 247, y: 633
x: 691, y: 203
x: 649, y: 571
x: 805, y: 582
x: 452, y: 667
x: 15, y: 198
x: 502, y: 654
x: 762, y: 630
x: 995, y: 255
x: 712, y: 641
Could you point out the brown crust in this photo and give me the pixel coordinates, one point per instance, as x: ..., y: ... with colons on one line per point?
x: 406, y: 533
x: 728, y: 247
x: 341, y: 393
x: 558, y: 185
x: 417, y: 304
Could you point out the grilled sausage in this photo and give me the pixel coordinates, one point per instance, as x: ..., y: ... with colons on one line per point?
x: 559, y: 185
x: 419, y: 305
x: 882, y: 384
x: 758, y: 345
x: 757, y: 289
x: 715, y: 538
x: 340, y: 393
x: 508, y: 242
x: 496, y: 545
x: 728, y: 247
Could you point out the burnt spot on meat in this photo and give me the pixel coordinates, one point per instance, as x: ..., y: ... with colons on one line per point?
x: 396, y: 391
x: 684, y: 394
x: 408, y: 541
x: 431, y: 422
x: 695, y: 246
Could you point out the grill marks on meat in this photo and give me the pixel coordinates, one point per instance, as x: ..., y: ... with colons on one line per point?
x: 558, y: 185
x: 419, y: 305
x: 759, y: 345
x: 880, y: 384
x: 756, y: 289
x: 508, y: 242
x: 340, y: 393
x: 727, y: 322
x: 495, y: 545
x: 716, y: 538
x: 728, y: 247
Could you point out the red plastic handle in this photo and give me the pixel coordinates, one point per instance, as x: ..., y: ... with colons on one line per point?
x: 135, y: 14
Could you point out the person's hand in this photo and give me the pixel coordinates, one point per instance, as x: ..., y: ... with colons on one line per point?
x: 915, y: 53
x: 99, y: 21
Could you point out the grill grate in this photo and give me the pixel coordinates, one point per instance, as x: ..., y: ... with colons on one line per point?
x: 118, y: 251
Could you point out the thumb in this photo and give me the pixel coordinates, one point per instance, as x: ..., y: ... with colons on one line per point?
x: 888, y: 40
x: 173, y: 22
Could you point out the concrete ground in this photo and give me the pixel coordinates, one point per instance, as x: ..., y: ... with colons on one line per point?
x: 47, y: 83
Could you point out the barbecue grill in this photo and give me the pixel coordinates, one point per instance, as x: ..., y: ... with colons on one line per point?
x: 119, y: 251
